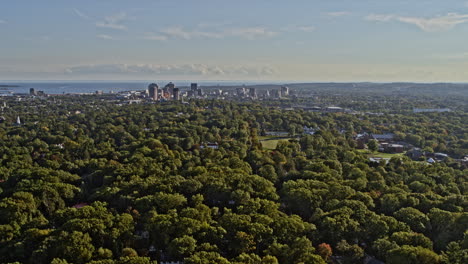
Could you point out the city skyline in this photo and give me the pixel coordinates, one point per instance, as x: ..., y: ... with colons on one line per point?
x: 244, y: 40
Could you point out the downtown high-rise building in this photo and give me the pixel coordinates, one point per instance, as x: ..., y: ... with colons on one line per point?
x: 194, y: 87
x: 284, y: 91
x: 153, y: 90
x: 176, y: 94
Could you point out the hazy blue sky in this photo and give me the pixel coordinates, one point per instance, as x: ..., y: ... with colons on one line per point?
x: 297, y: 40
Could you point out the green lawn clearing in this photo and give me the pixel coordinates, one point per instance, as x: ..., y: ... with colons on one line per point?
x: 379, y: 154
x: 271, y: 142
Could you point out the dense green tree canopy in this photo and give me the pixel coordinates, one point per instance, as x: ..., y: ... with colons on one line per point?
x: 116, y: 183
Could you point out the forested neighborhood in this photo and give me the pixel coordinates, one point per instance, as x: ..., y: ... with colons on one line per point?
x: 85, y: 179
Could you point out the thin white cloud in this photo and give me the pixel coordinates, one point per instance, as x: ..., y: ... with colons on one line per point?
x: 298, y: 28
x: 433, y: 24
x: 104, y: 36
x: 180, y: 32
x: 251, y: 32
x: 246, y: 32
x: 81, y: 14
x: 151, y: 36
x: 171, y: 70
x: 2, y: 21
x: 114, y: 21
x: 338, y: 13
x: 440, y: 23
x: 306, y: 28
x: 379, y: 18
x: 177, y: 32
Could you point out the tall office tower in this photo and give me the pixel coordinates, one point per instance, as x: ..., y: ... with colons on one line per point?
x: 176, y: 94
x: 194, y: 86
x: 241, y: 92
x: 284, y: 91
x: 200, y: 92
x: 252, y: 93
x: 169, y: 88
x: 32, y: 91
x: 194, y: 89
x: 153, y: 90
x: 275, y: 93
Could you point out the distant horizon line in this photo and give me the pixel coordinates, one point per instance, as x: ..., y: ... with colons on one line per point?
x: 266, y: 82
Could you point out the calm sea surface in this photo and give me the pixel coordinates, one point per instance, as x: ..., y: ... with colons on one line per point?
x: 64, y: 87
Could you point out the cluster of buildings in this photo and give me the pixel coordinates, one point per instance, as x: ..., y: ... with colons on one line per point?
x: 33, y: 92
x: 321, y: 109
x: 194, y: 91
x: 169, y: 92
x: 418, y: 154
x: 253, y: 93
x: 431, y: 110
x: 386, y: 142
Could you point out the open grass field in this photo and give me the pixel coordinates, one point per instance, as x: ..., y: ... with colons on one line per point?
x: 271, y: 142
x: 379, y: 154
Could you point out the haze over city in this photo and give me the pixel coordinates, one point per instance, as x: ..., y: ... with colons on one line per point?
x: 301, y: 40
